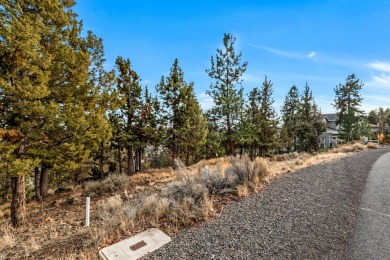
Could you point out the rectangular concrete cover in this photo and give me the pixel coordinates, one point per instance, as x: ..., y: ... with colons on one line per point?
x: 136, y: 246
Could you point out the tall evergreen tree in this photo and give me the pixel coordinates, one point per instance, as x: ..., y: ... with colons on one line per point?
x: 267, y: 118
x: 194, y: 126
x: 103, y: 100
x: 181, y: 111
x: 227, y: 69
x: 213, y: 145
x: 130, y: 91
x: 347, y: 104
x: 310, y: 125
x: 24, y: 73
x: 43, y: 76
x: 290, y: 115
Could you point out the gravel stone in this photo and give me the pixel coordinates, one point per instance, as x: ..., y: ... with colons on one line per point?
x: 309, y: 214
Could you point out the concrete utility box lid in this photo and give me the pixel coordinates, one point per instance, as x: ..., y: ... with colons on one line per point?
x: 136, y: 246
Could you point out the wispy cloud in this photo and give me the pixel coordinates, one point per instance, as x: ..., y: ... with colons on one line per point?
x: 205, y: 101
x: 283, y: 53
x: 379, y: 66
x: 380, y: 75
x: 331, y: 59
x: 380, y: 98
x: 312, y: 54
x: 252, y: 78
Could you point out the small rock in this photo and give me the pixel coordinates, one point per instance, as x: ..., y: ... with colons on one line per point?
x: 73, y: 201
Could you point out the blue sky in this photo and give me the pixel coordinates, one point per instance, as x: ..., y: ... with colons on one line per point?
x: 291, y: 42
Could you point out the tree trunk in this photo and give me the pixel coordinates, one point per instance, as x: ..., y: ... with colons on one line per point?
x: 139, y: 159
x: 18, y: 204
x: 130, y: 161
x: 44, y: 182
x: 173, y: 151
x: 37, y: 184
x: 120, y: 160
x: 101, y: 161
x: 229, y: 137
x: 136, y: 165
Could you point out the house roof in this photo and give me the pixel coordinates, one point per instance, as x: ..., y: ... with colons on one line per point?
x: 330, y: 117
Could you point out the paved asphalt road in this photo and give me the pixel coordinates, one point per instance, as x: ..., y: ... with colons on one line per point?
x: 371, y: 237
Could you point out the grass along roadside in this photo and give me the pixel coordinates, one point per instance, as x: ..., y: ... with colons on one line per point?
x: 170, y: 200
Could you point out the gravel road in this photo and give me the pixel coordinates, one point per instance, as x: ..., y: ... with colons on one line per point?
x: 306, y: 215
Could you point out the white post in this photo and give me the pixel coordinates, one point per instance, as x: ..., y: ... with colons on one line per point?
x: 87, y: 211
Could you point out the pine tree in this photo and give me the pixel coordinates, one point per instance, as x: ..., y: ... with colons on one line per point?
x: 290, y: 116
x: 44, y: 95
x: 347, y: 103
x: 23, y: 83
x: 193, y: 132
x: 227, y: 69
x: 213, y: 145
x: 151, y: 131
x: 364, y: 128
x: 310, y: 125
x: 103, y: 100
x: 284, y: 139
x: 181, y: 111
x: 267, y: 119
x: 130, y: 91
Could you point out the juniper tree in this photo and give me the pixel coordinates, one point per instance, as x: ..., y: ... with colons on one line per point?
x: 347, y: 104
x: 227, y: 69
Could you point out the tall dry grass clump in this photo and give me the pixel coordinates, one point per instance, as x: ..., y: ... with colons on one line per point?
x: 112, y: 183
x: 180, y: 203
x: 358, y: 147
x: 242, y: 191
x: 286, y: 156
x: 372, y: 145
x: 248, y: 172
x: 7, y: 237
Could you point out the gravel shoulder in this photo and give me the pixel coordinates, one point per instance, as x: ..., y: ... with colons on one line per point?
x: 309, y: 214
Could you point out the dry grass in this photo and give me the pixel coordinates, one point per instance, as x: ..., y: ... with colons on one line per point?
x: 358, y: 146
x: 5, y: 210
x: 249, y: 173
x: 372, y: 145
x: 242, y: 191
x: 169, y: 200
x: 285, y: 157
x: 7, y: 237
x: 113, y: 182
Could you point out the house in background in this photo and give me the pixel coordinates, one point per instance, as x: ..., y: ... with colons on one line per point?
x: 329, y: 138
